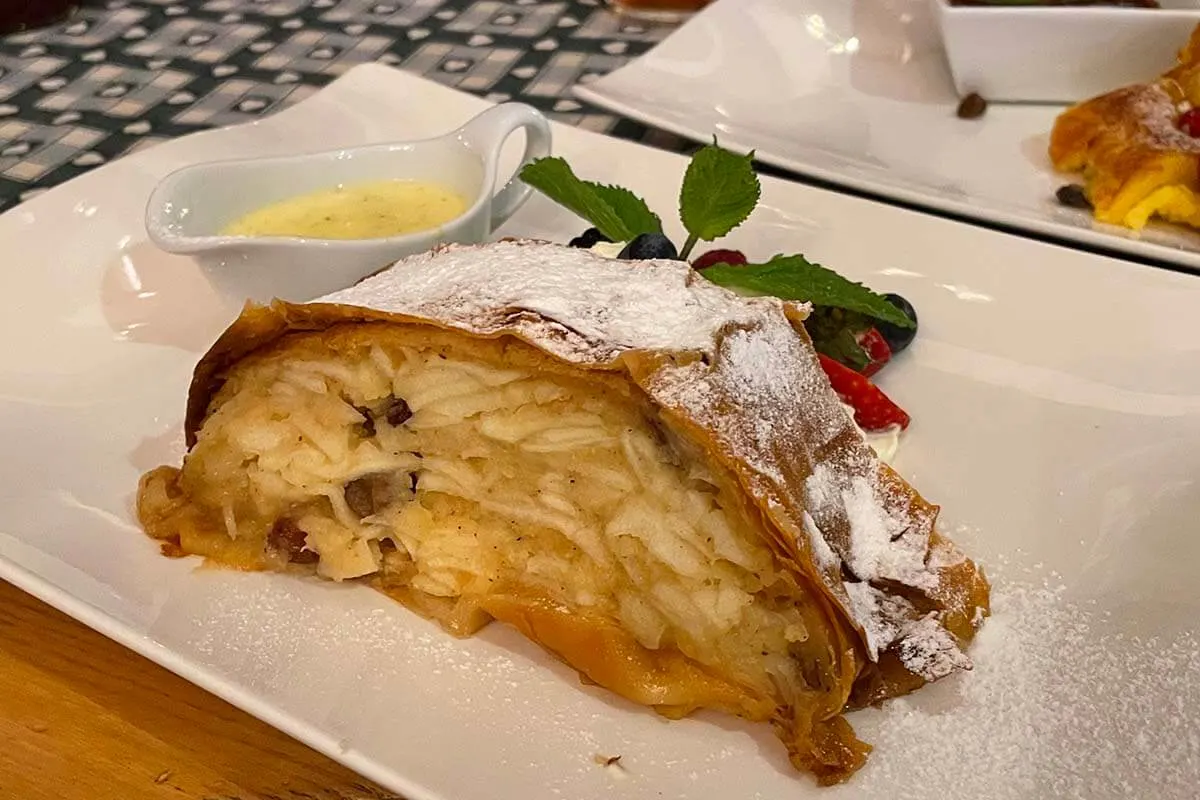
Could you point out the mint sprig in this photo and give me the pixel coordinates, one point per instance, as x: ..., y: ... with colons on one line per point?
x: 797, y: 278
x: 720, y: 189
x: 632, y: 209
x: 618, y: 213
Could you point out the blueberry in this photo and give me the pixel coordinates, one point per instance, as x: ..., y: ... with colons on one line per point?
x: 589, y: 238
x: 898, y: 338
x: 649, y: 245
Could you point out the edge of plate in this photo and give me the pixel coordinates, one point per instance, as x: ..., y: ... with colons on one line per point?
x: 192, y: 670
x: 188, y: 669
x: 921, y: 200
x: 196, y: 673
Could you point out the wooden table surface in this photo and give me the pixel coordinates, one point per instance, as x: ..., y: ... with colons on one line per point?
x: 83, y: 718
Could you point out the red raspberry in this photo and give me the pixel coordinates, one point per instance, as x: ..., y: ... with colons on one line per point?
x: 876, y: 348
x: 1189, y: 122
x: 714, y: 257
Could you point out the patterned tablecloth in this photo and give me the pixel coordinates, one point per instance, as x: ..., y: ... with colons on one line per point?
x: 121, y: 75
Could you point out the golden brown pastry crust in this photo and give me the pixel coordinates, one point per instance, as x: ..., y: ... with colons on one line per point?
x: 789, y: 452
x: 1127, y: 143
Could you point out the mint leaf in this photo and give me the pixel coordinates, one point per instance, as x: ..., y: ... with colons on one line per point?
x: 553, y: 177
x: 719, y: 191
x: 632, y: 209
x: 844, y: 349
x: 835, y: 331
x: 797, y: 278
x: 618, y: 213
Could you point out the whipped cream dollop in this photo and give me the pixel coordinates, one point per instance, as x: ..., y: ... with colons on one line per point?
x: 885, y: 443
x: 608, y: 249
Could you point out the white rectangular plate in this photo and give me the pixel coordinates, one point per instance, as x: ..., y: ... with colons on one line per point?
x: 1056, y: 399
x: 859, y: 94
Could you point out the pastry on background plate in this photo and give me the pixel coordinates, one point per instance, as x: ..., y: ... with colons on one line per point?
x: 1137, y: 147
x: 644, y: 473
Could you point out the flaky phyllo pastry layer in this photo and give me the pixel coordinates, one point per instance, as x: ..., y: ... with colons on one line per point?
x: 644, y: 473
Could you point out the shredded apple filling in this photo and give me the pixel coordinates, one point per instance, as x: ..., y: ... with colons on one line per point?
x: 448, y: 480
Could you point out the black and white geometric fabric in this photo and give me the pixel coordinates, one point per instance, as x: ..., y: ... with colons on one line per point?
x: 121, y: 75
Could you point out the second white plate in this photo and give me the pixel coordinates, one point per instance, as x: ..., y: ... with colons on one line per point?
x: 859, y: 94
x: 1066, y: 463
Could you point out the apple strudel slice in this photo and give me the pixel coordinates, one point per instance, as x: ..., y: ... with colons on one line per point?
x: 644, y: 473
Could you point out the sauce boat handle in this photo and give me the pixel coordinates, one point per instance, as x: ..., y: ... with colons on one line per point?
x: 486, y: 135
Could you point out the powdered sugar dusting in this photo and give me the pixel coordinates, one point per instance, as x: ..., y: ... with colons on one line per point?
x: 929, y: 650
x: 1153, y: 110
x: 923, y: 645
x: 826, y: 559
x: 945, y: 554
x: 738, y: 368
x: 888, y: 542
x: 883, y: 546
x: 1061, y: 703
x: 779, y: 395
x: 1065, y: 701
x: 867, y: 608
x: 575, y: 304
x: 1143, y: 115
